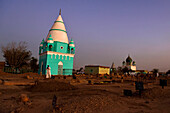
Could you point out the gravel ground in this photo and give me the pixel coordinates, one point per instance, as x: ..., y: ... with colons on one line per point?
x: 82, y: 98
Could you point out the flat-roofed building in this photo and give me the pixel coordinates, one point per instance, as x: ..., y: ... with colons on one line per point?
x: 97, y: 69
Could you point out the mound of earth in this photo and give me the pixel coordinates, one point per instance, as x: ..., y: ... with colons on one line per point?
x: 90, y: 104
x: 153, y: 93
x: 51, y: 86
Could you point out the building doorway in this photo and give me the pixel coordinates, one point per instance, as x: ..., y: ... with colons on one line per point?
x: 41, y: 67
x: 60, y: 68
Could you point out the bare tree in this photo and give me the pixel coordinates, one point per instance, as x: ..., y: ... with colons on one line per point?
x: 16, y: 54
x: 33, y: 64
x: 120, y: 70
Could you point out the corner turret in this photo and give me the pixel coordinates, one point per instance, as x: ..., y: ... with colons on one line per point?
x: 50, y: 39
x: 134, y: 63
x: 71, y: 47
x: 42, y: 42
x: 71, y: 43
x: 41, y: 47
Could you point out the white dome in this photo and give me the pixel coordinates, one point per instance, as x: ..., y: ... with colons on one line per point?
x: 58, y: 31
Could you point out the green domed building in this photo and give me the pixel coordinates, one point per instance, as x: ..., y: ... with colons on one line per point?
x: 130, y: 64
x: 56, y: 51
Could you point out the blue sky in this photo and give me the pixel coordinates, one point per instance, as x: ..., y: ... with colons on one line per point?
x: 104, y: 31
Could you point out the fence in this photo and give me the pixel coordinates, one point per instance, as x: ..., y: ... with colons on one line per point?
x: 16, y: 70
x: 67, y: 71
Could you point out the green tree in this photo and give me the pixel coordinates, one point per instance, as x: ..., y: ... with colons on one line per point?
x: 34, y: 65
x: 119, y: 70
x: 16, y: 54
x: 125, y: 70
x: 168, y: 72
x: 155, y: 71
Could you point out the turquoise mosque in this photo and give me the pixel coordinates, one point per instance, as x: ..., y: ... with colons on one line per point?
x: 57, y: 51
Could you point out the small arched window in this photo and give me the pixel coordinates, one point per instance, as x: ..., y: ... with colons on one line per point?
x: 50, y: 47
x: 41, y: 50
x: 72, y: 51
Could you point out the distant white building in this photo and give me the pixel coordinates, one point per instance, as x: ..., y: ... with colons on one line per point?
x: 130, y: 64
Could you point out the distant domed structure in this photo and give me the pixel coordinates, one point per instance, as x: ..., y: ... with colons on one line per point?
x: 130, y: 64
x: 128, y: 60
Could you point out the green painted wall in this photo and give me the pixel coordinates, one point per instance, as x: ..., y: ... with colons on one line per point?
x: 91, y: 70
x: 42, y: 60
x: 58, y: 46
x: 52, y: 60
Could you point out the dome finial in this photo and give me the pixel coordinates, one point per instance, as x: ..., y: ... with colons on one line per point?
x: 60, y: 12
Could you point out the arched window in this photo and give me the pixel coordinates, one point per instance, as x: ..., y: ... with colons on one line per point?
x: 41, y: 51
x: 60, y: 68
x: 72, y: 51
x: 50, y: 47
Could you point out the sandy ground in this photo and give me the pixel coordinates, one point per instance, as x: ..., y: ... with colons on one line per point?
x: 77, y: 96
